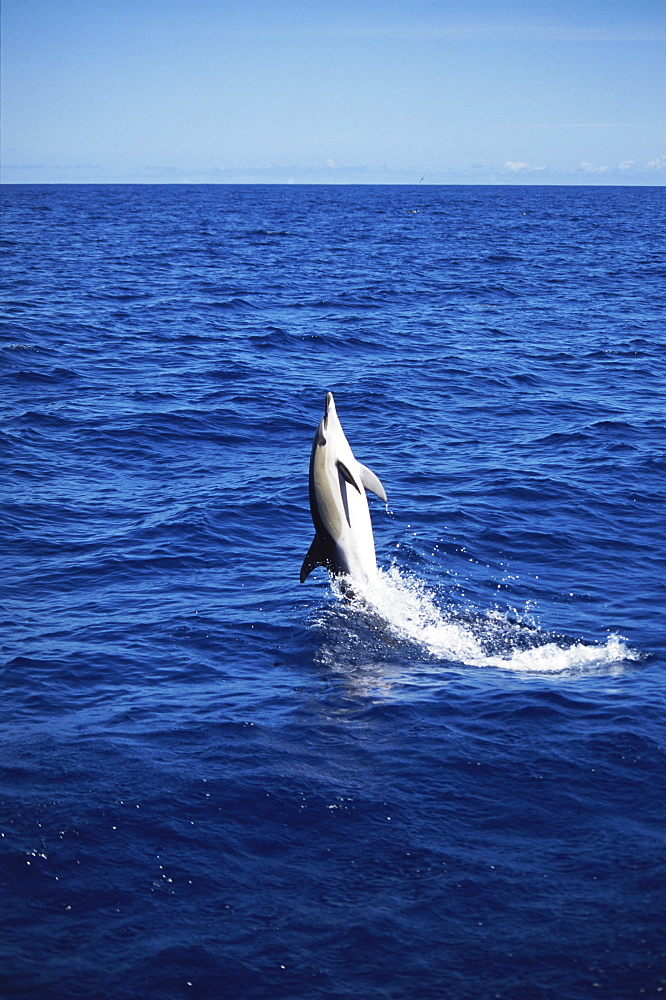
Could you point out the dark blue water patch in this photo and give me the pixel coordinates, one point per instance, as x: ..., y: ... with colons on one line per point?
x: 217, y: 781
x: 487, y: 886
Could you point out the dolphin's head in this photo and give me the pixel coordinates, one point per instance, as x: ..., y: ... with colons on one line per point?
x: 329, y: 413
x: 329, y: 408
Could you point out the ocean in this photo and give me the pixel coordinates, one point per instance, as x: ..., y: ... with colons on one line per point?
x: 219, y: 783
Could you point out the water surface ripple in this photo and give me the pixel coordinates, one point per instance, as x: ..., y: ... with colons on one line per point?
x: 216, y: 782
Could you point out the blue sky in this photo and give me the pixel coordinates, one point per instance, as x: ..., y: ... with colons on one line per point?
x: 334, y: 91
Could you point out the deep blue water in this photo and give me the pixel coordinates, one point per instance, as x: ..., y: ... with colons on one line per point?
x: 219, y: 783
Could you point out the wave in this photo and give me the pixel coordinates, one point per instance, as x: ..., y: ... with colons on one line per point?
x: 493, y: 638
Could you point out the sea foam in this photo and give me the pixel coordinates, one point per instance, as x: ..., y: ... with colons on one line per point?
x: 493, y: 638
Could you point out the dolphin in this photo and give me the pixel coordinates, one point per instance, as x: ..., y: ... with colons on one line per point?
x: 343, y: 540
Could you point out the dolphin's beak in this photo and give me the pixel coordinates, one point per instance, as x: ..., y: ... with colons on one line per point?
x: 329, y: 403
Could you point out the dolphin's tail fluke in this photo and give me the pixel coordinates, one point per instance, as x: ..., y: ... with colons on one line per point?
x: 319, y: 554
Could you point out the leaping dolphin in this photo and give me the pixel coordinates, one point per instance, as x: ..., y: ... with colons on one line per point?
x: 343, y: 540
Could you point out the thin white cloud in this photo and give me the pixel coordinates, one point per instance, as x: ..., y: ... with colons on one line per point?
x: 498, y: 29
x: 657, y: 164
x: 590, y: 168
x: 517, y: 165
x: 588, y: 125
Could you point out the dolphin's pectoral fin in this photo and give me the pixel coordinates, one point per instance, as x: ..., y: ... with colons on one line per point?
x: 372, y: 483
x: 317, y: 555
x: 347, y: 476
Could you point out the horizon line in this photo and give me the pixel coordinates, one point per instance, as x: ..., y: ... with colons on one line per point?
x: 295, y: 183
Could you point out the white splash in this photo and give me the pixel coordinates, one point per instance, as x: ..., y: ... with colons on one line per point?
x: 410, y: 610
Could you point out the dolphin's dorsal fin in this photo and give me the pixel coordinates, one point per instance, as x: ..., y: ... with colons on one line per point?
x: 371, y: 482
x: 317, y: 555
x: 347, y: 476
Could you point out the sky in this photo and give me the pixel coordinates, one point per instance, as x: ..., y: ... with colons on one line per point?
x: 334, y: 91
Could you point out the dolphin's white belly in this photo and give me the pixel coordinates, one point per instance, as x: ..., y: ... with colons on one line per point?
x: 356, y: 545
x: 346, y: 516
